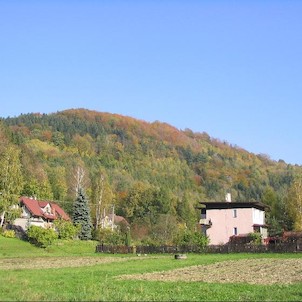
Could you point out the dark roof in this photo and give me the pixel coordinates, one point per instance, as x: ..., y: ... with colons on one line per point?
x: 35, y: 208
x: 232, y: 205
x: 260, y: 225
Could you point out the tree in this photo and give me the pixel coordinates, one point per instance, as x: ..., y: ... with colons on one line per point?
x: 11, y: 180
x: 40, y: 189
x: 142, y: 202
x: 79, y: 178
x: 270, y: 198
x: 101, y: 194
x: 274, y: 218
x: 57, y: 178
x: 98, y: 213
x: 58, y: 139
x: 186, y: 211
x: 84, y: 144
x: 165, y: 229
x: 295, y: 202
x: 81, y: 215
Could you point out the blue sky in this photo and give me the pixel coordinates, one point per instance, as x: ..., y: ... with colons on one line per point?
x: 230, y: 68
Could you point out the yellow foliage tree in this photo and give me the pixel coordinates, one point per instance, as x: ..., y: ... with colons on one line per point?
x: 295, y: 202
x: 11, y: 179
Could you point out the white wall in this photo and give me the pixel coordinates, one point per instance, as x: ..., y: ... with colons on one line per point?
x: 258, y: 216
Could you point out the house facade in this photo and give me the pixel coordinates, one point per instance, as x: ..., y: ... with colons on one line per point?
x: 39, y: 213
x: 114, y: 222
x: 221, y: 220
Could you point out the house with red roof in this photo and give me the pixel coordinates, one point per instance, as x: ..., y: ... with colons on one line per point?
x: 39, y: 213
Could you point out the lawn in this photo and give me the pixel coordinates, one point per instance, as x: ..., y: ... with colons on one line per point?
x: 73, y: 271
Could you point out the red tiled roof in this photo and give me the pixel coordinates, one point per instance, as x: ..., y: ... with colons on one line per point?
x: 43, y: 204
x: 35, y: 208
x: 59, y: 211
x: 32, y: 205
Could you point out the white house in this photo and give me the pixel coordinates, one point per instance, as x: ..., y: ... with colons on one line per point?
x: 39, y: 213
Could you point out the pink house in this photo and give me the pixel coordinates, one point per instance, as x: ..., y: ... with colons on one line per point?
x: 221, y: 220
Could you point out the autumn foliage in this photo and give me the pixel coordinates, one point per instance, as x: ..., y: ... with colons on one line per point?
x: 149, y: 169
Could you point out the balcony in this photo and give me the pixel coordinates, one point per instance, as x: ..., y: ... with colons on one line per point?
x: 205, y: 222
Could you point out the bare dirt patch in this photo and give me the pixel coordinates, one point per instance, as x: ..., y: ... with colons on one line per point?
x: 253, y: 271
x: 55, y: 262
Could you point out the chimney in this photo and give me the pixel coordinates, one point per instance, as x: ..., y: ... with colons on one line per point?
x: 228, y: 197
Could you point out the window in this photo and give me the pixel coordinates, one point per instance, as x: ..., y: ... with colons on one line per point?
x: 235, y: 231
x: 234, y: 213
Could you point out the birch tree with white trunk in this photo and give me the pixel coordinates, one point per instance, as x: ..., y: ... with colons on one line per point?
x: 11, y: 180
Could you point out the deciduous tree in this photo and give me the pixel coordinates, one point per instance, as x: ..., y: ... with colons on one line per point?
x: 11, y: 179
x: 295, y: 202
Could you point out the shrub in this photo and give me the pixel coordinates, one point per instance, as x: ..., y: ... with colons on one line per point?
x: 250, y: 238
x: 41, y: 237
x: 189, y: 238
x: 128, y: 238
x: 241, y: 239
x: 9, y: 234
x: 109, y: 237
x: 66, y: 229
x: 149, y: 242
x: 256, y: 238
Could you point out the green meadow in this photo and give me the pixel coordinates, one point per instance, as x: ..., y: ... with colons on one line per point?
x: 72, y: 271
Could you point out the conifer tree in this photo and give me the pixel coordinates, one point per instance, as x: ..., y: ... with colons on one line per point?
x: 81, y: 215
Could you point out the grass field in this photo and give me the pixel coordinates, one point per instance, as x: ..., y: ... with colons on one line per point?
x: 71, y: 271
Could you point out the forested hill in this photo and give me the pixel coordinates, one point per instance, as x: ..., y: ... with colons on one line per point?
x: 142, y: 168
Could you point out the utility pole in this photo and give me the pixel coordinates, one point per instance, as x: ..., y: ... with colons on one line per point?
x: 112, y: 220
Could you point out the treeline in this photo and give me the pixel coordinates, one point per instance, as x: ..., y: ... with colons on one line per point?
x: 152, y: 173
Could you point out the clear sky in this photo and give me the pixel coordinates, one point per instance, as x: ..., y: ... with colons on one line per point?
x: 230, y: 68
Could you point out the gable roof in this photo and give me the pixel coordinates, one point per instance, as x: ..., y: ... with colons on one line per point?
x: 35, y: 207
x: 59, y: 211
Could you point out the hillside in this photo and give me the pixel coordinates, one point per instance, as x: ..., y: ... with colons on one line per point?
x: 151, y: 172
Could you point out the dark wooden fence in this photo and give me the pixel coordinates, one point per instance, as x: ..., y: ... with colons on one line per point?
x: 293, y: 247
